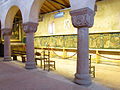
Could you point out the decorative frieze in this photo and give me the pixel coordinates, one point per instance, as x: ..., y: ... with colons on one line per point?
x: 82, y: 17
x: 6, y: 31
x: 30, y: 27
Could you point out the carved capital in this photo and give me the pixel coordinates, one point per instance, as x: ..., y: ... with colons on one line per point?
x: 30, y: 27
x: 82, y: 17
x: 6, y: 31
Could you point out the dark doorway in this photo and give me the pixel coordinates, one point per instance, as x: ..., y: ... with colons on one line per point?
x: 1, y: 44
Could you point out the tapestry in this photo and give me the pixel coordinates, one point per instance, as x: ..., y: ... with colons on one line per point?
x: 96, y: 41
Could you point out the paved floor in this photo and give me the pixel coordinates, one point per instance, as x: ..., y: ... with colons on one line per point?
x: 13, y: 76
x: 107, y: 75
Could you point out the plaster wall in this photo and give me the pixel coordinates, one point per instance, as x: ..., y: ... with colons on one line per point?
x: 62, y: 25
x: 107, y: 19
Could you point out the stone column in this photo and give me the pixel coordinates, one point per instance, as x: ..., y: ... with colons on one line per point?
x: 7, y: 49
x: 82, y: 19
x: 30, y: 28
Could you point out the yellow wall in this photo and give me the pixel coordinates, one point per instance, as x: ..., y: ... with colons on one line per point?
x: 107, y: 19
x: 60, y: 26
x: 107, y: 16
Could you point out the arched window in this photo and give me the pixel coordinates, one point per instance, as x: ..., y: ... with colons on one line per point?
x: 51, y: 28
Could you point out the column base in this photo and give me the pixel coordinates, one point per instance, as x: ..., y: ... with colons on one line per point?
x: 30, y: 65
x: 7, y: 58
x: 83, y: 79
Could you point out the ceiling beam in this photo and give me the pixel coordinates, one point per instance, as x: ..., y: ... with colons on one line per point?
x: 44, y: 9
x: 98, y: 0
x: 52, y: 5
x: 48, y: 7
x: 66, y: 3
x: 58, y: 3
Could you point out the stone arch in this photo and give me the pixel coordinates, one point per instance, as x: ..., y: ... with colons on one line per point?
x: 0, y: 32
x: 0, y: 25
x: 82, y: 12
x: 10, y: 16
x: 37, y: 4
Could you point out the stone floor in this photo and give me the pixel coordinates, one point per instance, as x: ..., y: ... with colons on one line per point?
x: 13, y: 76
x: 106, y: 75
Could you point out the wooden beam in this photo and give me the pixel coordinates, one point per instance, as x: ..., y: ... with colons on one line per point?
x: 44, y: 9
x: 58, y: 3
x: 66, y: 3
x: 49, y: 7
x: 53, y: 5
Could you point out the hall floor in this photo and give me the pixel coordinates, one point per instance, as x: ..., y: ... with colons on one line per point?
x: 15, y: 77
x: 107, y: 76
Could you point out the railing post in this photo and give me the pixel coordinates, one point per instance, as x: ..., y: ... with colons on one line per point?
x: 97, y: 57
x: 64, y: 53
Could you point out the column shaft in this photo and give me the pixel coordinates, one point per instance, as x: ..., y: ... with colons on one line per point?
x: 30, y: 64
x: 82, y: 74
x: 30, y: 28
x: 82, y: 19
x: 7, y: 48
x: 6, y: 32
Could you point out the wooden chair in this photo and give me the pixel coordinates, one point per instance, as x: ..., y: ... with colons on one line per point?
x: 47, y: 62
x: 91, y: 68
x: 39, y: 57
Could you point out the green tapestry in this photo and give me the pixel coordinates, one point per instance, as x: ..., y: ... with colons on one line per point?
x: 105, y: 41
x: 96, y: 41
x: 68, y: 41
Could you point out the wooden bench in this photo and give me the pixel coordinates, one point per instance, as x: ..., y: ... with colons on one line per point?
x: 16, y: 53
x: 91, y: 68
